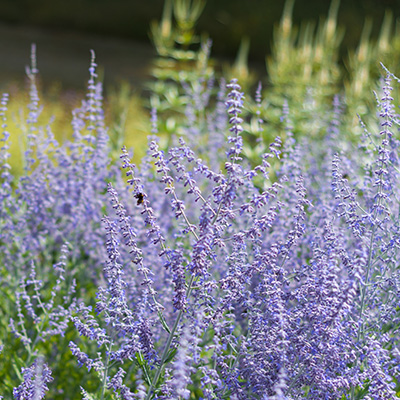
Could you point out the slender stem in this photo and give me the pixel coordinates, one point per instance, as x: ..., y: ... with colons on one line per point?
x: 103, y: 388
x: 168, y: 343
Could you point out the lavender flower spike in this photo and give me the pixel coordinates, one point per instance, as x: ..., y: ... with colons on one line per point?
x: 234, y: 105
x: 34, y: 386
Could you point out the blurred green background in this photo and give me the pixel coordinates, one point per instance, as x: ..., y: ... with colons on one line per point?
x: 119, y: 32
x: 321, y: 50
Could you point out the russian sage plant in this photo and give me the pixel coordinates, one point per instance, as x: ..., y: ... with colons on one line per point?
x: 250, y: 293
x: 203, y: 276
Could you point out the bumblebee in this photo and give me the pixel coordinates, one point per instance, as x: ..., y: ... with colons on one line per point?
x: 139, y: 196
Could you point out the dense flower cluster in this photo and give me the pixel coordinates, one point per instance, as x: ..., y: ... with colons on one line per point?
x: 34, y: 386
x: 206, y: 277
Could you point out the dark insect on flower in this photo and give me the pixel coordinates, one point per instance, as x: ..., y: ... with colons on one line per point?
x: 139, y: 197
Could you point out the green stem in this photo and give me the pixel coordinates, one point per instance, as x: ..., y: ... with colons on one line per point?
x: 103, y: 387
x: 168, y: 343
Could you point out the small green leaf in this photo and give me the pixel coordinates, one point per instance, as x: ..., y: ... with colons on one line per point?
x: 163, y: 321
x: 171, y: 355
x: 17, y: 364
x: 145, y: 368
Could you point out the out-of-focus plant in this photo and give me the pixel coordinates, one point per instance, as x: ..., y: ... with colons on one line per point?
x: 56, y: 110
x: 363, y: 69
x: 305, y: 59
x: 125, y: 114
x: 240, y: 69
x: 128, y: 120
x: 183, y: 59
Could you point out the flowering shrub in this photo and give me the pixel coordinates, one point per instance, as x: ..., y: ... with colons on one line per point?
x: 201, y: 276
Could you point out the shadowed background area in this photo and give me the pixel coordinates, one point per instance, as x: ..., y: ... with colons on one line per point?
x: 118, y: 30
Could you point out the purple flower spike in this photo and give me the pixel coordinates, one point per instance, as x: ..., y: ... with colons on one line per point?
x: 34, y: 386
x: 234, y: 105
